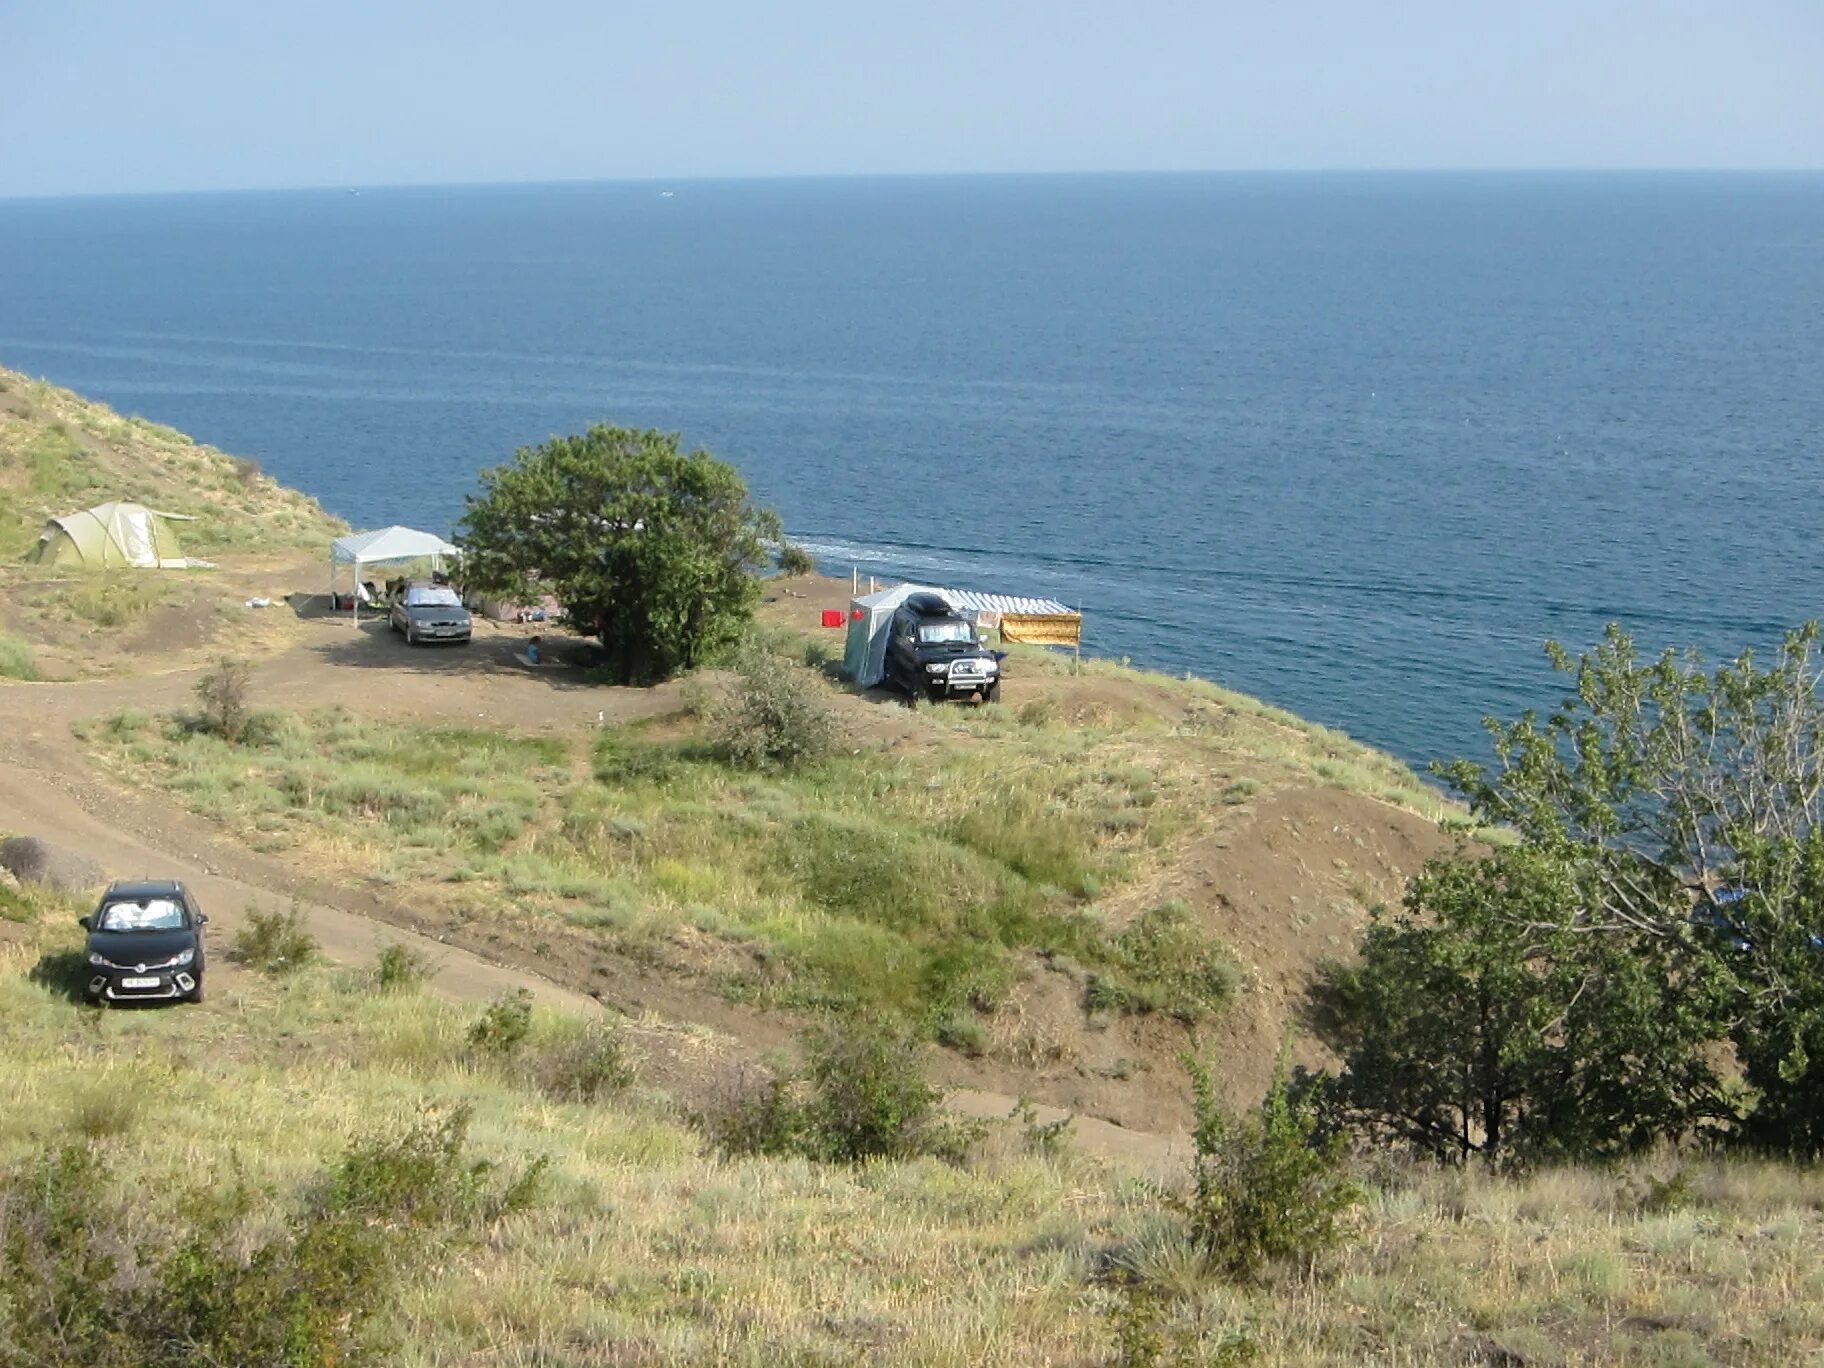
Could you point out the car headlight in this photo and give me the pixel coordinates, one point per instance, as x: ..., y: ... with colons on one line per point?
x: 182, y: 957
x: 96, y: 958
x: 991, y: 666
x: 934, y: 669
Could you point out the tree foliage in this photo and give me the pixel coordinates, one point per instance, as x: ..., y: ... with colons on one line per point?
x: 1485, y: 1019
x: 652, y: 549
x: 1662, y: 906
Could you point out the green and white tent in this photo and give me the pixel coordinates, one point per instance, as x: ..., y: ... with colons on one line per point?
x: 109, y: 536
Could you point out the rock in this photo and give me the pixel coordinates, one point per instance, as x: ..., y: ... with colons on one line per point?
x: 33, y: 861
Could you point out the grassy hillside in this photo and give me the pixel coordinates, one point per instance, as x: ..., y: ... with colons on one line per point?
x: 639, y: 1245
x: 60, y: 453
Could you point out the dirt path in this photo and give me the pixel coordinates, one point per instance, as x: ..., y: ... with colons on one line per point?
x: 49, y: 788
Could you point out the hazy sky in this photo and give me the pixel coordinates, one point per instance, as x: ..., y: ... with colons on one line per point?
x: 118, y: 95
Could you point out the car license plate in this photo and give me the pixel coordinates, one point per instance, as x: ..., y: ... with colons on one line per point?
x: 139, y: 983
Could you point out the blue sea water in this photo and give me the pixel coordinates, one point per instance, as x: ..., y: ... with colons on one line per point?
x: 1354, y: 443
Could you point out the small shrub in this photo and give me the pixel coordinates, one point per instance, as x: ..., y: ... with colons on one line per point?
x: 795, y: 560
x: 399, y: 968
x: 16, y: 659
x: 86, y: 1285
x: 1653, y: 1196
x: 105, y: 1112
x: 1266, y: 1190
x: 964, y: 1034
x: 1049, y: 1139
x: 869, y: 1097
x: 275, y: 943
x: 776, y: 717
x: 756, y: 1116
x: 222, y: 694
x: 588, y: 1066
x: 861, y: 1094
x: 504, y: 1026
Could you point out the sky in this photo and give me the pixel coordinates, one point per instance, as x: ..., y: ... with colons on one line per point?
x: 115, y: 96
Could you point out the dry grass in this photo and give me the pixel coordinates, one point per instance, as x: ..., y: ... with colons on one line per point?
x: 647, y: 1249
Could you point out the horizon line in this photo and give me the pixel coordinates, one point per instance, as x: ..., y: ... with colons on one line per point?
x: 329, y: 187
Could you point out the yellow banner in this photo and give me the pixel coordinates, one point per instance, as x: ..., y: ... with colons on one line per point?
x: 1042, y: 629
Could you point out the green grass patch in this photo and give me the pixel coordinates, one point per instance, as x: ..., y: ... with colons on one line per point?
x: 1164, y: 962
x: 111, y: 599
x: 860, y: 883
x: 16, y: 659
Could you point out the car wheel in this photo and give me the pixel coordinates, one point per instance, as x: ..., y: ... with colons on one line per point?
x: 992, y: 694
x: 411, y: 635
x: 196, y: 993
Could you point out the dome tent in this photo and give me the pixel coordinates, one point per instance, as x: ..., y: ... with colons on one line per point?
x: 110, y: 535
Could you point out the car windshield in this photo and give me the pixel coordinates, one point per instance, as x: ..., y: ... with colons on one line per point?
x: 431, y: 596
x: 151, y: 914
x: 945, y: 631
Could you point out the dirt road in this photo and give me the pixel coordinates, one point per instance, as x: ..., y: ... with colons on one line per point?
x: 50, y: 789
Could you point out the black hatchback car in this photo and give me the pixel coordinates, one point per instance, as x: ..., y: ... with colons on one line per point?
x: 932, y: 653
x: 145, y: 944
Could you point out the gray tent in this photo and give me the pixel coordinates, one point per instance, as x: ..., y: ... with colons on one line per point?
x: 864, y: 657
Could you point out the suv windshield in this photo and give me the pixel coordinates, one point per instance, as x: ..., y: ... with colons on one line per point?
x: 154, y: 914
x: 431, y: 596
x: 945, y: 631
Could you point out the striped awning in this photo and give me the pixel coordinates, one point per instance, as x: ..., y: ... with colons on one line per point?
x: 968, y: 601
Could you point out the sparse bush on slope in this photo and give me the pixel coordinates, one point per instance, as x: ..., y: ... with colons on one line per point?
x: 82, y: 1286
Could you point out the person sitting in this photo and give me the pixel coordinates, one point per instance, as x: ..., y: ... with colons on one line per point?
x: 533, y: 654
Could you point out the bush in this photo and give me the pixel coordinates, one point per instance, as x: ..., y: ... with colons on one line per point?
x: 504, y: 1026
x: 587, y: 1067
x: 275, y: 942
x: 16, y: 659
x: 1266, y: 1190
x: 795, y: 560
x: 222, y: 693
x: 755, y: 1116
x: 861, y: 1094
x: 869, y: 1097
x: 776, y: 716
x: 82, y: 1284
x: 398, y: 968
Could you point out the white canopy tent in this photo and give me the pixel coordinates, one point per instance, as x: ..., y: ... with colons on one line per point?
x: 395, y: 543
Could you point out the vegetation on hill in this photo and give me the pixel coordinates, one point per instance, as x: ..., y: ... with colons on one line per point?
x: 855, y: 881
x: 1661, y: 911
x: 640, y: 1243
x: 60, y: 453
x: 655, y: 550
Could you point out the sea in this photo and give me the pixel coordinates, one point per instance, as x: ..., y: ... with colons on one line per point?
x: 1355, y: 443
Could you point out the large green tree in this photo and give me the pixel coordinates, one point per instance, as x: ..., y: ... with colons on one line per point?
x: 1664, y: 894
x: 1485, y: 1019
x: 654, y: 550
